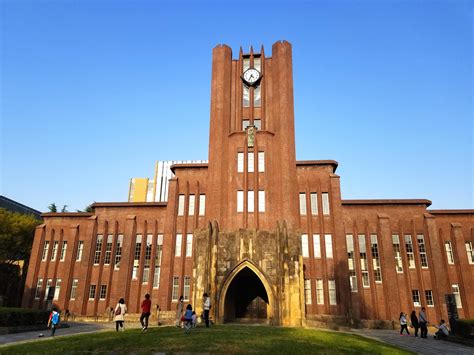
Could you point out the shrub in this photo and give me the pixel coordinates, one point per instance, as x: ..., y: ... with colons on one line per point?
x: 10, y: 317
x: 465, y: 328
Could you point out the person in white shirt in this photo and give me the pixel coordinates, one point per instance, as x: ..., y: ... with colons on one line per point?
x: 423, y: 323
x: 443, y: 331
x: 206, y: 306
x: 403, y: 323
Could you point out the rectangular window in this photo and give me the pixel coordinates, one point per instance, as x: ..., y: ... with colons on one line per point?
x: 118, y: 251
x: 49, y: 283
x: 103, y: 291
x: 302, y: 204
x: 57, y: 289
x: 245, y: 124
x: 422, y: 249
x: 108, y: 249
x: 45, y: 251
x: 307, y: 291
x: 189, y: 245
x: 192, y: 201
x: 240, y: 201
x: 375, y: 258
x: 261, y: 162
x: 416, y: 298
x: 54, y: 251
x: 98, y: 249
x: 325, y: 196
x: 240, y: 162
x: 363, y: 261
x: 257, y: 97
x: 181, y: 205
x: 319, y: 291
x: 175, y: 293
x: 146, y: 266
x: 449, y: 252
x: 317, y: 245
x: 250, y: 201
x: 250, y: 162
x: 179, y: 240
x: 350, y: 251
x: 409, y: 249
x: 80, y: 248
x: 314, y: 203
x: 39, y: 284
x: 332, y: 292
x: 91, y: 292
x: 245, y: 96
x: 187, y: 288
x: 159, y: 250
x: 304, y: 245
x: 75, y: 282
x: 257, y: 123
x: 202, y: 205
x: 398, y: 254
x: 136, y: 257
x: 470, y: 254
x: 429, y: 298
x: 261, y: 201
x: 457, y: 295
x: 328, y: 244
x: 62, y: 257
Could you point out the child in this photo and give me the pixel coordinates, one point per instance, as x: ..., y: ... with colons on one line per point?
x: 53, y: 320
x: 442, y: 332
x: 403, y: 323
x: 194, y: 319
x: 188, y: 318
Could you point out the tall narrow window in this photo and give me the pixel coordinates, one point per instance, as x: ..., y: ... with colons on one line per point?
x: 179, y: 240
x: 261, y: 201
x: 189, y: 245
x: 257, y: 63
x: 39, y: 285
x: 409, y: 249
x: 80, y: 248
x: 328, y: 244
x: 49, y: 284
x: 202, y: 205
x: 314, y: 203
x: 416, y: 298
x: 304, y: 245
x: 108, y: 249
x: 398, y: 254
x: 98, y: 249
x: 245, y: 96
x: 257, y: 122
x: 181, y: 205
x: 159, y: 250
x: 136, y: 257
x: 375, y: 258
x: 192, y: 201
x: 45, y: 251
x: 91, y: 292
x: 429, y: 298
x: 319, y: 291
x: 250, y: 162
x: 317, y: 245
x: 325, y: 197
x: 351, y: 262
x: 62, y: 257
x: 55, y: 250
x: 261, y: 162
x: 332, y: 292
x: 75, y: 282
x: 187, y: 288
x: 422, y: 249
x: 307, y: 291
x: 245, y: 124
x: 250, y: 201
x: 449, y: 252
x: 175, y: 292
x: 146, y: 266
x: 57, y: 289
x: 302, y: 204
x: 257, y: 97
x: 457, y: 295
x: 103, y: 292
x: 470, y: 254
x: 118, y: 251
x: 363, y: 261
x: 240, y: 201
x: 240, y: 162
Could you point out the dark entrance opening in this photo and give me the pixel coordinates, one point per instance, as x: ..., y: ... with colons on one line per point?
x: 246, y: 299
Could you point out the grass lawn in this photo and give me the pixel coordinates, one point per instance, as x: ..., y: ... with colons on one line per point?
x: 217, y: 339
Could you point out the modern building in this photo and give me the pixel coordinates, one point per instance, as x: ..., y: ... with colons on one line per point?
x: 267, y: 236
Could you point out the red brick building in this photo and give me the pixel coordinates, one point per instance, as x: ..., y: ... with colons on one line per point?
x: 269, y: 237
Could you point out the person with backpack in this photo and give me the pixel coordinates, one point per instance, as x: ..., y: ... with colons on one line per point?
x: 119, y: 317
x: 53, y: 320
x: 146, y: 307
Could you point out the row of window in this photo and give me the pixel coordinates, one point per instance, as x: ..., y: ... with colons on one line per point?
x: 251, y: 201
x: 313, y: 196
x: 251, y: 162
x: 429, y: 299
x: 364, y: 267
x: 450, y: 255
x: 192, y: 205
x: 54, y: 251
x: 317, y: 246
x: 320, y: 292
x: 257, y: 122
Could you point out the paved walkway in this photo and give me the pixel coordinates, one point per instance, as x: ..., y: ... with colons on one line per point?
x: 421, y: 346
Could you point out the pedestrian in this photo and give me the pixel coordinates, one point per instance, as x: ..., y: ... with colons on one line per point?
x: 414, y: 322
x: 119, y: 315
x: 442, y: 332
x: 146, y: 307
x: 53, y: 320
x: 423, y: 323
x: 194, y: 319
x: 206, y: 306
x: 403, y: 323
x: 179, y: 311
x: 188, y: 318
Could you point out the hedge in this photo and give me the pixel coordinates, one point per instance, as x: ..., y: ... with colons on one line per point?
x: 465, y: 328
x: 10, y: 317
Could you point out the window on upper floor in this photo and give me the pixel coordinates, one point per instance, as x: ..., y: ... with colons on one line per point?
x: 250, y: 201
x: 307, y: 291
x: 409, y: 249
x: 302, y: 204
x: 240, y: 162
x: 202, y: 205
x: 261, y: 162
x: 304, y: 246
x: 314, y: 203
x: 179, y: 240
x: 240, y: 201
x: 257, y: 122
x: 261, y: 201
x: 181, y: 205
x: 449, y: 252
x: 328, y: 244
x: 257, y: 96
x: 325, y: 197
x: 422, y: 250
x: 398, y: 254
x: 245, y: 124
x: 250, y: 162
x: 317, y: 245
x: 470, y: 253
x: 192, y: 201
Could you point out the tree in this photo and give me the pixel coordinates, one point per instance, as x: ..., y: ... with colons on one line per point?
x: 64, y: 209
x: 88, y: 208
x: 52, y: 208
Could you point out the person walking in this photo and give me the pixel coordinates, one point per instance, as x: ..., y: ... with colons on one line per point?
x: 179, y: 311
x: 53, y: 320
x: 414, y: 322
x: 423, y: 323
x: 146, y: 308
x: 403, y: 323
x: 119, y: 315
x: 206, y: 306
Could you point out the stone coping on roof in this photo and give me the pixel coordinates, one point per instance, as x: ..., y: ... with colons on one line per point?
x: 189, y: 165
x: 333, y: 163
x: 129, y: 204
x: 450, y: 211
x: 67, y: 214
x: 388, y: 202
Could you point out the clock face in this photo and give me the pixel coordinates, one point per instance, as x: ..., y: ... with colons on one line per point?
x: 251, y: 76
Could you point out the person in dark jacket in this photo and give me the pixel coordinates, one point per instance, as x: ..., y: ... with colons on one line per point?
x: 414, y: 322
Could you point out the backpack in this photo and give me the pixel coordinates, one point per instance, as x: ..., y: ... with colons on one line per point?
x: 55, y: 318
x: 118, y: 311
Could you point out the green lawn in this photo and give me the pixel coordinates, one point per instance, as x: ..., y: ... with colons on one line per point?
x: 217, y: 339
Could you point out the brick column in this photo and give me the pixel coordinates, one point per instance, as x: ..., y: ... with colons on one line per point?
x: 464, y: 270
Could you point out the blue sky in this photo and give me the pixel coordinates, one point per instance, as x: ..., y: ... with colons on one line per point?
x: 94, y: 92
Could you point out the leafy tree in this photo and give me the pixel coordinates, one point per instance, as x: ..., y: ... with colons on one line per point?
x: 53, y: 208
x: 89, y: 208
x: 64, y: 209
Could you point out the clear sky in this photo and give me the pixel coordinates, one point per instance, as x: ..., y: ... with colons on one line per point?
x: 94, y: 92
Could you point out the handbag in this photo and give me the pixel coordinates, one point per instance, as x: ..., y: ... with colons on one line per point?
x: 118, y: 311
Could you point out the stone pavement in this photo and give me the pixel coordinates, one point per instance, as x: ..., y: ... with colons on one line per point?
x: 421, y: 346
